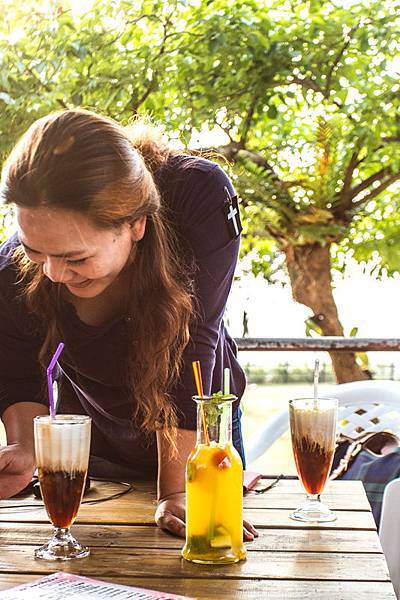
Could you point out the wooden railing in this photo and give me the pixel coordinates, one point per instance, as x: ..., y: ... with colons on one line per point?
x: 338, y: 344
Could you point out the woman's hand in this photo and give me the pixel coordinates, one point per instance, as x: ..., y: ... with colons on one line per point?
x: 170, y: 514
x: 17, y: 464
x: 17, y: 459
x: 249, y: 532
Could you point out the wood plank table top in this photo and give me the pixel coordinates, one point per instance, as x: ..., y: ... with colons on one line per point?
x: 336, y: 561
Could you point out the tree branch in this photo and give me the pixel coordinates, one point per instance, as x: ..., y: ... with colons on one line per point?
x: 309, y: 84
x: 305, y: 82
x: 391, y: 138
x: 46, y: 87
x: 338, y: 58
x: 275, y: 233
x: 248, y: 119
x: 262, y: 162
x: 226, y: 130
x: 234, y: 152
x: 353, y: 163
x: 367, y: 182
x: 135, y: 105
x: 385, y: 184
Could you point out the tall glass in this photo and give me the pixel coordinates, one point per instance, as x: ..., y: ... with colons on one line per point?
x: 313, y: 431
x: 62, y: 454
x: 214, y: 487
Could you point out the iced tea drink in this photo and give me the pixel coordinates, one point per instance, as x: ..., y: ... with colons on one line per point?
x: 214, y: 487
x: 313, y: 432
x: 62, y: 446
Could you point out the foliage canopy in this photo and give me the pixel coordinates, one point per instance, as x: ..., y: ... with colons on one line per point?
x: 304, y: 97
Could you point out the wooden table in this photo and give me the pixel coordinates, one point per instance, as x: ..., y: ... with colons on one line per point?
x: 341, y: 560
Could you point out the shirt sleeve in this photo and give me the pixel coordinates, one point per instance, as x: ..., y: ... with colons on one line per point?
x: 21, y: 378
x: 214, y: 247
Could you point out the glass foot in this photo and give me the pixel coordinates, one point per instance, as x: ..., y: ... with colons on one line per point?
x: 62, y: 546
x: 313, y: 511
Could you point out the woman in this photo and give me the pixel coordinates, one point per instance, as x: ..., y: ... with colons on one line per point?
x: 117, y: 236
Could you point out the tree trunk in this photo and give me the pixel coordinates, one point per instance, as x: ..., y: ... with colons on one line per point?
x: 309, y: 268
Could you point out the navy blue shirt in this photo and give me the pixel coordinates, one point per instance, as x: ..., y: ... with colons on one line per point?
x: 193, y: 193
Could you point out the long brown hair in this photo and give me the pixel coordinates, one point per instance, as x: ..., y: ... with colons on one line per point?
x: 84, y: 162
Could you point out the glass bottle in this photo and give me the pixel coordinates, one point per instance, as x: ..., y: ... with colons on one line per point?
x: 214, y: 487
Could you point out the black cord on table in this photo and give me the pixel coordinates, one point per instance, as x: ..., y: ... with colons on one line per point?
x: 129, y: 488
x: 269, y: 486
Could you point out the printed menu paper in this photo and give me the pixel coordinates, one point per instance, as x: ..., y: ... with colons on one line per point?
x: 60, y: 586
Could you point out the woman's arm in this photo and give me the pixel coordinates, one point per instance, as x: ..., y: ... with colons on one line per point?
x: 214, y: 246
x: 17, y: 459
x: 170, y: 513
x: 21, y: 378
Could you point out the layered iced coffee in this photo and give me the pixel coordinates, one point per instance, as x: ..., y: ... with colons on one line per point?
x: 62, y: 448
x: 313, y: 432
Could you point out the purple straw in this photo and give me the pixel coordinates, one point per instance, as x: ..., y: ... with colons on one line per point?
x: 49, y: 372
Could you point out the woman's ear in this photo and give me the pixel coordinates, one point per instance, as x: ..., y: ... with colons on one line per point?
x: 138, y: 228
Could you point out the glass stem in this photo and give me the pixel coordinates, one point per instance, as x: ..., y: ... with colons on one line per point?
x: 62, y: 535
x: 313, y: 497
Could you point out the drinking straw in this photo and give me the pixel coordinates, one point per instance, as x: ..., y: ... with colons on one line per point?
x: 199, y: 385
x: 49, y: 372
x: 227, y: 377
x: 316, y: 376
x: 197, y: 377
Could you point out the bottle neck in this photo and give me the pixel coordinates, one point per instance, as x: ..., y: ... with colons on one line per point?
x: 214, y: 421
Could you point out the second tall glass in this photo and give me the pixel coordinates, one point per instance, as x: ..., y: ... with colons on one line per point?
x: 313, y: 430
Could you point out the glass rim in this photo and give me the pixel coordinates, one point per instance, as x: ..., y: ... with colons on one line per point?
x: 204, y: 398
x: 311, y: 399
x: 62, y: 419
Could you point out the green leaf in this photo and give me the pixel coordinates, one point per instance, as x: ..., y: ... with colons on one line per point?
x: 190, y: 471
x: 6, y: 98
x: 77, y: 98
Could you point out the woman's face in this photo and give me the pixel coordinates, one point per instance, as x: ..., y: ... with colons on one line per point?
x: 75, y: 251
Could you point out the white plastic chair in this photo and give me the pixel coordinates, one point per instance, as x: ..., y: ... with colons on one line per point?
x: 389, y: 531
x: 372, y: 405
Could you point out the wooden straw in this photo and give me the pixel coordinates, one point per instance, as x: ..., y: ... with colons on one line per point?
x: 199, y: 385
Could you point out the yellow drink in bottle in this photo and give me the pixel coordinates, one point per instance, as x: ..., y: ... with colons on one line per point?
x: 214, y: 489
